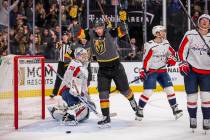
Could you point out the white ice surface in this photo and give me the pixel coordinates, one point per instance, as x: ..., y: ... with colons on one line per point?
x: 158, y: 123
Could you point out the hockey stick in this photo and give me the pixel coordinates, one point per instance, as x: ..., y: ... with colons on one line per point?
x: 82, y: 99
x: 101, y: 9
x: 136, y: 79
x: 194, y: 25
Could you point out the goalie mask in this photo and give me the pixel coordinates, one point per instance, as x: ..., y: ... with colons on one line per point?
x: 81, y: 54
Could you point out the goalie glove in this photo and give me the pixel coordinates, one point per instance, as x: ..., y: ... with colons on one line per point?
x: 73, y: 92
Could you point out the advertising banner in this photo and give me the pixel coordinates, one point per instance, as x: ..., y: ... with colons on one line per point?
x: 29, y: 76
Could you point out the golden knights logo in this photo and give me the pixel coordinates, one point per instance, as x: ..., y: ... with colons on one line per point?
x: 100, y: 46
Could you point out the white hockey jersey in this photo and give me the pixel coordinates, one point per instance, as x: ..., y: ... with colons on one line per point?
x: 193, y: 50
x: 76, y: 75
x: 156, y: 54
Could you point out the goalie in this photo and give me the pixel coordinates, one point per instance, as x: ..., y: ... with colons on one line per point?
x: 76, y: 76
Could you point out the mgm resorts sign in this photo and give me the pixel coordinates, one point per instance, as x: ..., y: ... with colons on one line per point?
x: 135, y: 18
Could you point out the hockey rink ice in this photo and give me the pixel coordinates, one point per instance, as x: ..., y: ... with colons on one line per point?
x: 158, y: 123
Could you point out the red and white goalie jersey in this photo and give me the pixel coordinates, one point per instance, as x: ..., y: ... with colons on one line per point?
x: 193, y: 50
x: 76, y: 76
x: 156, y: 54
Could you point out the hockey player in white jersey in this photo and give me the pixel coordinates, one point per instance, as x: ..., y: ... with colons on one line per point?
x: 76, y: 76
x: 195, y: 67
x: 158, y: 54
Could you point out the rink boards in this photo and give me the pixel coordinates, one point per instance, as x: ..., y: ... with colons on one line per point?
x: 31, y: 78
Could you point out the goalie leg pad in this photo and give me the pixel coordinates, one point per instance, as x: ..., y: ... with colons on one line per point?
x: 79, y: 111
x: 56, y: 113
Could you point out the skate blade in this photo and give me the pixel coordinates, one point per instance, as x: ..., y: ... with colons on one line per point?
x: 138, y: 118
x: 177, y: 116
x: 206, y: 132
x: 103, y: 126
x: 113, y: 114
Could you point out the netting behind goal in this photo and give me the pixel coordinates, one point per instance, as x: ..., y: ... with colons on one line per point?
x: 22, y: 90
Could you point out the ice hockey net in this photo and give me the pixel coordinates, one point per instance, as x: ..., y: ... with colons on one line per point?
x: 22, y: 90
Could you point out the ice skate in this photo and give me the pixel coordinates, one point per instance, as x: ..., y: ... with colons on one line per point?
x: 139, y: 114
x: 177, y: 112
x: 193, y: 124
x: 206, y: 125
x: 133, y: 104
x: 105, y: 122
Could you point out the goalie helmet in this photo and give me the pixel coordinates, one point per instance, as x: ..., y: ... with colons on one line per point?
x: 158, y: 28
x: 203, y: 16
x: 81, y: 54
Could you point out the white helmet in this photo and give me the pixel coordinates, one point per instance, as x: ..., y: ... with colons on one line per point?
x: 204, y: 16
x: 157, y: 28
x: 81, y: 54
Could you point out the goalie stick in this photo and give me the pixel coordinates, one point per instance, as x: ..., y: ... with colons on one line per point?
x: 82, y: 99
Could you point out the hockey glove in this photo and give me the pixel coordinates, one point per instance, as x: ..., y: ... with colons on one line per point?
x: 171, y: 61
x: 184, y: 68
x: 142, y: 75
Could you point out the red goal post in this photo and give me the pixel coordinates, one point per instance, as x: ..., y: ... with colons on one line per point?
x: 25, y: 92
